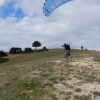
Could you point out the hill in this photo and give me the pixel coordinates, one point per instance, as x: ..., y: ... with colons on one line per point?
x: 49, y: 76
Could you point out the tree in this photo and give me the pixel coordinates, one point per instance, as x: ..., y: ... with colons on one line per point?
x: 27, y: 50
x: 36, y: 44
x: 15, y: 50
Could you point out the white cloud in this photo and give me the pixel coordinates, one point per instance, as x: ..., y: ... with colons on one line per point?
x: 30, y: 7
x: 2, y: 2
x: 76, y: 22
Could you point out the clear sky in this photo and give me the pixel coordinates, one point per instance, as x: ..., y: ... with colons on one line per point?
x: 22, y: 22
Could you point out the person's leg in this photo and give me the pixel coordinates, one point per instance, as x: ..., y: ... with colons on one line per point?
x: 66, y: 53
x: 69, y: 53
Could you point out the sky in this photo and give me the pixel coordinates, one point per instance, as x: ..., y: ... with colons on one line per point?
x: 22, y: 22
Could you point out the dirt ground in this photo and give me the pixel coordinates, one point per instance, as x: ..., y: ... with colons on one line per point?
x: 83, y: 79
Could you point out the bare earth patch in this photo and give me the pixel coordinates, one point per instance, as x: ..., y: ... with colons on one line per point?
x: 84, y: 76
x: 86, y: 62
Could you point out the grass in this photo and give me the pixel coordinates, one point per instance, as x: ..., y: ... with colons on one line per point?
x: 83, y: 97
x: 67, y: 98
x: 2, y: 60
x: 54, y: 97
x: 49, y: 85
x: 34, y: 76
x: 62, y: 78
x: 78, y: 90
x: 36, y: 56
x: 45, y: 75
x: 23, y: 90
x: 53, y: 79
x: 96, y: 93
x: 32, y: 56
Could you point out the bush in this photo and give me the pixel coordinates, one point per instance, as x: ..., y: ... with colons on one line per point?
x: 15, y: 50
x: 2, y: 60
x: 45, y: 49
x: 27, y: 50
x: 39, y: 50
x: 2, y: 54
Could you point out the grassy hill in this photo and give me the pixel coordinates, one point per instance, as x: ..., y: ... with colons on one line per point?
x: 21, y: 58
x: 49, y: 76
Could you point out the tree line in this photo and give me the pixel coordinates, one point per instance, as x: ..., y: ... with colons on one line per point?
x: 16, y: 50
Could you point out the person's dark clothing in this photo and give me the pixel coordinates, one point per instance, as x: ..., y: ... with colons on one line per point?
x: 67, y: 50
x: 67, y: 47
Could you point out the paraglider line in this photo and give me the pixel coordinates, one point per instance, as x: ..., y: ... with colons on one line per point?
x: 47, y: 10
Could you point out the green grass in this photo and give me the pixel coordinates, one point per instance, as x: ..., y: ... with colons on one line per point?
x: 45, y: 75
x: 54, y: 97
x: 78, y: 90
x: 49, y: 85
x: 62, y: 78
x: 37, y: 56
x: 96, y: 93
x: 23, y: 90
x: 53, y: 79
x: 2, y: 60
x: 32, y: 56
x: 83, y: 97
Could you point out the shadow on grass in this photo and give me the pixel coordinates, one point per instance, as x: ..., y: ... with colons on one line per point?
x: 2, y: 60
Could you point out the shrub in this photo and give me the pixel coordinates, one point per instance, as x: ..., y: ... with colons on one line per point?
x: 2, y: 60
x: 2, y: 54
x: 15, y: 50
x: 45, y: 49
x: 27, y: 50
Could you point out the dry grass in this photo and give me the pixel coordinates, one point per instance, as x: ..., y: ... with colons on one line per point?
x: 53, y: 78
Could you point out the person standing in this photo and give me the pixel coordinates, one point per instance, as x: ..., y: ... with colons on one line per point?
x: 67, y: 49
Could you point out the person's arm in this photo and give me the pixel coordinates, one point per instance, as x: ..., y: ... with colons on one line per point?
x: 62, y: 45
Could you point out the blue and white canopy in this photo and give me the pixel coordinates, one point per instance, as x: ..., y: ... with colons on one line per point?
x: 51, y: 5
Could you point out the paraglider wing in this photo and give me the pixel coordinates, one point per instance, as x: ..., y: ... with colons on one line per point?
x: 51, y: 5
